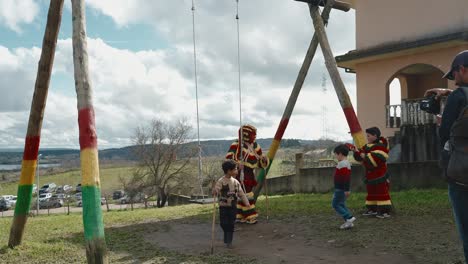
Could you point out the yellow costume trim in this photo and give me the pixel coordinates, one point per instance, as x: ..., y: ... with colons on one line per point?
x: 369, y: 156
x: 381, y: 153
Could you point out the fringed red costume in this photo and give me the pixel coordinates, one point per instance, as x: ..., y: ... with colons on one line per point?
x: 375, y: 163
x: 250, y: 158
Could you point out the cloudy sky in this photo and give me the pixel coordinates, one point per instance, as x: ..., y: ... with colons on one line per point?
x: 141, y: 67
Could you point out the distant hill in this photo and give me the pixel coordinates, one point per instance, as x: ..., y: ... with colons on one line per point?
x: 209, y: 148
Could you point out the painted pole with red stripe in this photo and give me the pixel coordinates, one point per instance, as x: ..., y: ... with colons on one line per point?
x: 291, y: 103
x: 33, y: 135
x: 96, y: 251
x: 343, y: 97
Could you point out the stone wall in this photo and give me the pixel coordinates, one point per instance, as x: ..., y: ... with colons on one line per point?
x: 404, y: 176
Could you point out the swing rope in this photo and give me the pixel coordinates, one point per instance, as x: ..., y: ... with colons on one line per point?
x: 241, y: 144
x: 196, y: 99
x: 241, y: 136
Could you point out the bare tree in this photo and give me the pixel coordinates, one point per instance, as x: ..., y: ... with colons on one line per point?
x: 163, y: 155
x: 212, y: 170
x: 107, y: 194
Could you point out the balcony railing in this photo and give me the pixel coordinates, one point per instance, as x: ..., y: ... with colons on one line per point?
x: 409, y: 113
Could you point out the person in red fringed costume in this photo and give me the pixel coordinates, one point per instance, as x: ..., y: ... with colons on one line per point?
x: 249, y: 156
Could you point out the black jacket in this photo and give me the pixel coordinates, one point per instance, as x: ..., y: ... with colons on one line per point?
x: 456, y: 101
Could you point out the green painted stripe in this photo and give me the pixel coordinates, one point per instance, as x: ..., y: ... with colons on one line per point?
x: 92, y: 213
x: 23, y: 203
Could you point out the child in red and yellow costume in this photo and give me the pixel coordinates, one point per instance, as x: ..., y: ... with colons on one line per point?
x: 374, y: 157
x: 249, y: 158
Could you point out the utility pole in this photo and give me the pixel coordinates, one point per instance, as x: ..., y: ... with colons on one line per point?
x: 324, y: 107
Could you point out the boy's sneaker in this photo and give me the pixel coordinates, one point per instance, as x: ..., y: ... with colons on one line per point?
x: 347, y: 225
x: 369, y: 213
x: 382, y: 216
x: 229, y: 245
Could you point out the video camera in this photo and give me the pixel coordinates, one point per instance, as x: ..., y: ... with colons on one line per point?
x: 430, y: 104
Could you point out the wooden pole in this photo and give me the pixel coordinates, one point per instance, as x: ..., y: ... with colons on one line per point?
x: 33, y: 135
x: 330, y: 63
x: 336, y: 5
x: 96, y: 251
x: 291, y: 103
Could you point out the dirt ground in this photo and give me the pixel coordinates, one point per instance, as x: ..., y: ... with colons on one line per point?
x: 268, y: 242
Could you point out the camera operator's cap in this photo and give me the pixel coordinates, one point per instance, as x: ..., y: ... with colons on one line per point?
x: 460, y: 59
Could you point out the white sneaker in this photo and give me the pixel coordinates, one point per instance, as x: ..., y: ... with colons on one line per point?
x: 352, y: 219
x: 347, y: 225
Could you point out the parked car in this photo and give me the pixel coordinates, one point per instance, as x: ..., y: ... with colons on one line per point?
x: 52, y: 202
x: 63, y: 196
x: 78, y: 187
x: 59, y: 189
x: 48, y: 188
x: 67, y: 188
x: 139, y: 197
x: 79, y: 203
x: 44, y: 196
x: 118, y: 194
x: 78, y: 196
x: 13, y: 200
x: 4, y: 204
x: 7, y: 197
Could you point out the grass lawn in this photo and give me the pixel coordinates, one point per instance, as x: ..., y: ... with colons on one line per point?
x: 421, y: 228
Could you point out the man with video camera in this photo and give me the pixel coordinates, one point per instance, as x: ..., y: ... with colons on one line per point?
x: 456, y: 103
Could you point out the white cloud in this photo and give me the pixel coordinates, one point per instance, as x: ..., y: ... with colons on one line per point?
x: 17, y: 76
x: 13, y: 13
x: 132, y: 87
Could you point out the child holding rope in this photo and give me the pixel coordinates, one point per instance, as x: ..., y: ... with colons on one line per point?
x: 374, y: 158
x: 228, y: 189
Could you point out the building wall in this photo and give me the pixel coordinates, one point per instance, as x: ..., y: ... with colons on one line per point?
x: 373, y: 78
x: 418, y: 84
x: 379, y: 22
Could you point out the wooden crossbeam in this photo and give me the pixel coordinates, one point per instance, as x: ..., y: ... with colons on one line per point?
x: 337, y: 5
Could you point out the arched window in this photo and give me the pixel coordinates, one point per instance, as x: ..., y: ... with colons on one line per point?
x: 406, y: 87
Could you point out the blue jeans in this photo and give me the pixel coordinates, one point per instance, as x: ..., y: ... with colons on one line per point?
x: 339, y: 204
x: 459, y: 198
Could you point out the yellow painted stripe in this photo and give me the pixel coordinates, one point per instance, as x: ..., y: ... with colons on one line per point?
x: 90, y: 167
x: 359, y: 139
x: 369, y: 156
x: 273, y: 148
x: 28, y: 171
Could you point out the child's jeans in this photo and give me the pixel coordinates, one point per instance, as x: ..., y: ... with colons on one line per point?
x: 339, y: 204
x: 227, y: 219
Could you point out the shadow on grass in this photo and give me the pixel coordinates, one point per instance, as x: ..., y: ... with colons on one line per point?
x: 132, y: 243
x: 4, y: 250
